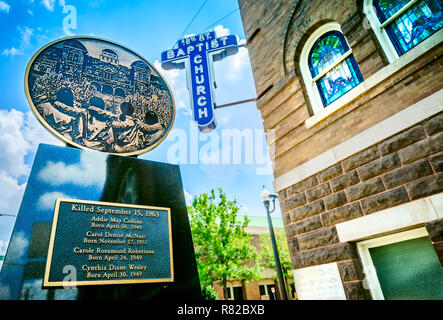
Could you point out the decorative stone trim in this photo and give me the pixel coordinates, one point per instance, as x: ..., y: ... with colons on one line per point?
x: 389, y: 220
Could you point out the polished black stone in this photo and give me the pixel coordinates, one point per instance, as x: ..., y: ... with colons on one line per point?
x: 61, y: 172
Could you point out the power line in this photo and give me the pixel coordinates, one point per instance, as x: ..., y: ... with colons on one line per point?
x: 192, y: 20
x: 224, y: 17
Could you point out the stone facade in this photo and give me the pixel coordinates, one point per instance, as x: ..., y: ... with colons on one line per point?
x: 435, y: 230
x: 400, y: 169
x: 317, y: 186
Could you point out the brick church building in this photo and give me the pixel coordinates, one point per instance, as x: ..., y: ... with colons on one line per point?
x: 350, y: 92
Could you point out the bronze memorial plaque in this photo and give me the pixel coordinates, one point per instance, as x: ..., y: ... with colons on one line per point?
x: 99, y: 95
x: 94, y: 243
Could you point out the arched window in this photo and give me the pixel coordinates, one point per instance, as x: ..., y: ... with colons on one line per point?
x: 400, y: 25
x: 328, y: 66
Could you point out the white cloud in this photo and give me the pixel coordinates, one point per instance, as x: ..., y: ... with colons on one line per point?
x: 188, y: 197
x: 20, y: 134
x: 47, y: 200
x: 221, y: 31
x: 235, y: 68
x: 240, y: 59
x: 4, y: 7
x: 87, y: 172
x: 3, y: 247
x: 13, y: 51
x: 67, y: 32
x: 11, y: 195
x: 25, y: 35
x: 176, y: 79
x: 13, y: 143
x: 48, y: 4
x: 23, y: 42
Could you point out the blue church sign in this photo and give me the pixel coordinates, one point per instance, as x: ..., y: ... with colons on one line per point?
x: 196, y: 53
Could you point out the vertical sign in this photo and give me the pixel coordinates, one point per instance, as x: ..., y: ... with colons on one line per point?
x: 196, y: 54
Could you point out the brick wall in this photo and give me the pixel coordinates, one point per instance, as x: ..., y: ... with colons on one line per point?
x: 278, y: 31
x: 402, y: 168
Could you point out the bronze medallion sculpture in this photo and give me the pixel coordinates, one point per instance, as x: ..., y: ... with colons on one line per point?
x: 96, y: 94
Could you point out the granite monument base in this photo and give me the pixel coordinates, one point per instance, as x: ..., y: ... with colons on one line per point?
x: 113, y: 228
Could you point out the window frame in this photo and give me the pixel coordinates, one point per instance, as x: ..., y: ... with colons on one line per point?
x: 379, y: 28
x: 366, y: 260
x: 381, y: 34
x: 230, y: 288
x: 310, y: 82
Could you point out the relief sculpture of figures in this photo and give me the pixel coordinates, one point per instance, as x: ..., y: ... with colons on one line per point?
x: 96, y: 94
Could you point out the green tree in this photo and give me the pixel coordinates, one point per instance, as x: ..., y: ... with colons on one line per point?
x: 266, y: 255
x: 223, y: 248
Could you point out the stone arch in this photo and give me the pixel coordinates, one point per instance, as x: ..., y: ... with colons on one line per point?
x: 302, y: 41
x: 303, y: 22
x: 288, y: 28
x: 119, y: 92
x: 299, y: 28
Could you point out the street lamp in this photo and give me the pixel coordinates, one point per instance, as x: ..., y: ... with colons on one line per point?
x: 266, y: 196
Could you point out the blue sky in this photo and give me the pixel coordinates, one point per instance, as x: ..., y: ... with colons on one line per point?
x: 148, y: 28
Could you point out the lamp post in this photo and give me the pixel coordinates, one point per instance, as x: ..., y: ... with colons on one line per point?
x: 266, y: 196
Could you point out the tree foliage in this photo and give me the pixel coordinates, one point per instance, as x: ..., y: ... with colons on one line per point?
x: 266, y: 255
x: 222, y: 246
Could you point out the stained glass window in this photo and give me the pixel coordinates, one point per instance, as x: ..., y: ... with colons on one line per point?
x: 333, y: 67
x: 409, y: 22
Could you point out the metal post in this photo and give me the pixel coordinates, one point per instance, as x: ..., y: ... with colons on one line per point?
x: 276, y: 256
